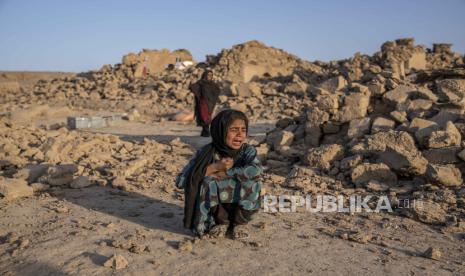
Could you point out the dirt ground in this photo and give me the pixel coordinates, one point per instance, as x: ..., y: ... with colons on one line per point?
x: 74, y: 231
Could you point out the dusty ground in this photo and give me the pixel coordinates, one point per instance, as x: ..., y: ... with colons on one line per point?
x: 74, y: 231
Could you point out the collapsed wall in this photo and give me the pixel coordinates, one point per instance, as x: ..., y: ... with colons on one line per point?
x: 151, y: 62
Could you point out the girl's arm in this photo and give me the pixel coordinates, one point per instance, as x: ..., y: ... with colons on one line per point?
x: 251, y: 171
x: 212, y: 171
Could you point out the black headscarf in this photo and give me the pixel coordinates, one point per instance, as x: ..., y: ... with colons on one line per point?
x: 207, y: 90
x: 219, y: 129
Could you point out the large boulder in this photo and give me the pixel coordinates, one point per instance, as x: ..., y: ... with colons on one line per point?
x: 328, y: 103
x: 422, y: 129
x: 452, y: 90
x: 446, y: 175
x: 358, y: 128
x: 446, y: 155
x: 315, y: 118
x: 404, y: 92
x: 333, y: 84
x: 355, y: 107
x: 381, y: 124
x: 403, y: 160
x: 59, y: 175
x: 241, y: 90
x: 417, y: 60
x: 396, y: 149
x: 429, y: 212
x: 448, y: 137
x: 323, y: 156
x: 366, y: 172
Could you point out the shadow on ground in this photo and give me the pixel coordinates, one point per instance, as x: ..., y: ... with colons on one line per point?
x: 130, y: 206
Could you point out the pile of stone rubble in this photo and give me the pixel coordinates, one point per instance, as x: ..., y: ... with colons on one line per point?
x: 32, y: 159
x: 388, y: 124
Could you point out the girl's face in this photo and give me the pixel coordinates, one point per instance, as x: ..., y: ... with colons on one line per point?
x: 237, y: 132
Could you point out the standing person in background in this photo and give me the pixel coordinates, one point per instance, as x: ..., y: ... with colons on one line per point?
x: 206, y: 93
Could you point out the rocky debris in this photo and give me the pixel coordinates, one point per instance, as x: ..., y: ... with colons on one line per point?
x: 116, y: 262
x: 129, y: 243
x: 308, y: 180
x: 282, y: 138
x: 388, y: 123
x: 12, y: 87
x: 355, y: 107
x: 63, y: 158
x: 252, y: 75
x: 59, y: 175
x: 253, y: 59
x: 265, y: 82
x: 404, y: 93
x: 399, y: 109
x: 39, y: 187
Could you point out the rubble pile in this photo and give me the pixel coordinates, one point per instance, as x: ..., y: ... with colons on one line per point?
x: 264, y: 82
x: 252, y: 75
x: 32, y: 159
x: 390, y: 124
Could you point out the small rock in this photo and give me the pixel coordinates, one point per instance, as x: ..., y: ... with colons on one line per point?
x: 38, y: 187
x: 185, y: 246
x: 433, y: 253
x: 360, y: 237
x: 80, y: 182
x: 120, y: 183
x: 116, y: 262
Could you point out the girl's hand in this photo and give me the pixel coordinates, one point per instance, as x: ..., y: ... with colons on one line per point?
x: 227, y: 163
x: 218, y: 169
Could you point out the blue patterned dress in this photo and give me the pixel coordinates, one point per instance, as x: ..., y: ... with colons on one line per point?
x: 241, y: 186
